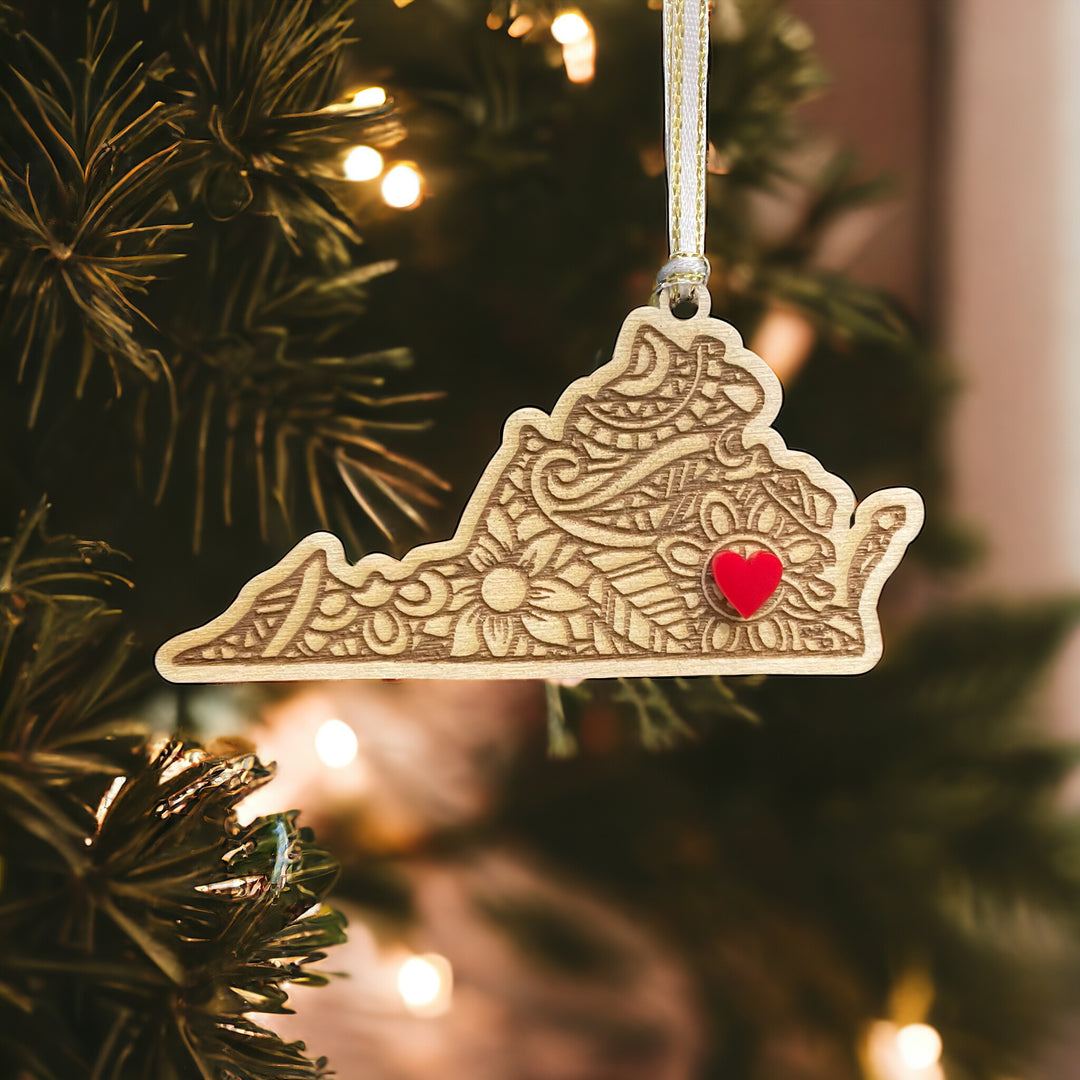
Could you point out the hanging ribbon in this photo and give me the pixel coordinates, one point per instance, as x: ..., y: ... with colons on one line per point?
x: 686, y: 78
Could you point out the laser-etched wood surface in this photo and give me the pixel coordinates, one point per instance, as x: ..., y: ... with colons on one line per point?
x: 594, y: 546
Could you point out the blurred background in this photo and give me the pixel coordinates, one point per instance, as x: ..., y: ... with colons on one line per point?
x: 782, y: 879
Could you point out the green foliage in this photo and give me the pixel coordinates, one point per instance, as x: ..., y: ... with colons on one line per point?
x: 140, y: 923
x: 231, y: 122
x: 267, y: 393
x: 905, y: 820
x: 260, y: 81
x: 84, y: 206
x: 658, y: 713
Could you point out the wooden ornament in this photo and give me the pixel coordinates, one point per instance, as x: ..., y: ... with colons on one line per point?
x: 653, y: 525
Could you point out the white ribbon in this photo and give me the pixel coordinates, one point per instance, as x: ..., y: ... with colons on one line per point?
x: 686, y: 68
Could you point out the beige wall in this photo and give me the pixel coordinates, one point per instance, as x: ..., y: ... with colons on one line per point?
x: 989, y: 245
x: 984, y: 140
x: 878, y: 56
x: 1013, y: 310
x: 1005, y: 305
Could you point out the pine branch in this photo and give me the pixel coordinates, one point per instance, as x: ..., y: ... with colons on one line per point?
x: 54, y: 613
x: 264, y: 131
x: 252, y: 363
x: 658, y: 713
x: 86, y: 216
x: 276, y: 394
x: 140, y: 924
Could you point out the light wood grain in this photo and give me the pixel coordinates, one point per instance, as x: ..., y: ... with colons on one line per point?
x: 584, y: 551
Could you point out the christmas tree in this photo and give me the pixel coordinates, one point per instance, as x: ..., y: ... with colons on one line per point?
x: 271, y: 267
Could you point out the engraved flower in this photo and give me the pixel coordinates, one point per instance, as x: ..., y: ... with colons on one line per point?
x: 527, y: 595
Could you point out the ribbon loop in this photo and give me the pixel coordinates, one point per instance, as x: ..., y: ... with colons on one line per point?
x: 686, y: 77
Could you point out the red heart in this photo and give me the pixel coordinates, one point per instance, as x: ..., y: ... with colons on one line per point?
x: 747, y: 583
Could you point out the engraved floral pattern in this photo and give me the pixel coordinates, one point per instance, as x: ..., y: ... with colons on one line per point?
x: 589, y: 538
x: 528, y: 591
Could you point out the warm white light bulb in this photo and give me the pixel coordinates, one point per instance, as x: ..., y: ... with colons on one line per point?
x: 336, y: 744
x: 521, y: 26
x: 363, y: 163
x: 402, y: 187
x: 570, y: 27
x: 919, y: 1046
x: 425, y: 984
x: 579, y: 57
x: 370, y: 98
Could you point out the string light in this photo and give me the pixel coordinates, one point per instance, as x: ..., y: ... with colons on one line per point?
x: 426, y: 984
x: 370, y: 98
x: 570, y: 27
x: 717, y: 165
x: 911, y: 1052
x: 403, y: 186
x: 336, y: 744
x: 363, y: 163
x: 919, y: 1046
x: 575, y: 34
x: 580, y: 60
x: 520, y: 26
x: 784, y: 339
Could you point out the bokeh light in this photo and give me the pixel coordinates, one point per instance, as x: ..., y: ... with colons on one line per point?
x: 402, y: 187
x: 570, y: 27
x: 919, y: 1045
x: 910, y: 1052
x: 521, y: 26
x: 363, y: 163
x: 336, y: 744
x: 369, y: 98
x: 425, y: 984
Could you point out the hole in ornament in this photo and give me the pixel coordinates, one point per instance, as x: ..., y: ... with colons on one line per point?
x: 684, y: 308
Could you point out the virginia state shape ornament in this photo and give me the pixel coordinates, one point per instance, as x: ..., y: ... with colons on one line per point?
x: 654, y: 524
